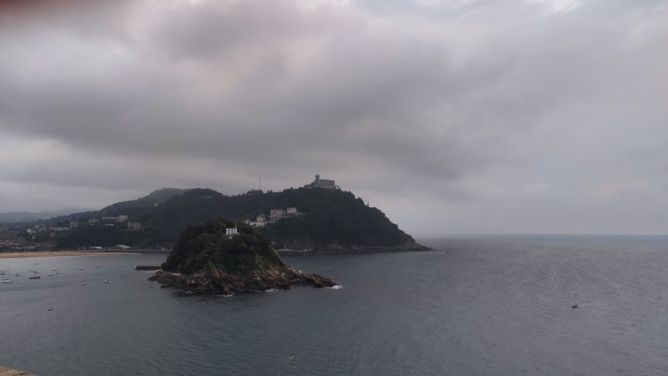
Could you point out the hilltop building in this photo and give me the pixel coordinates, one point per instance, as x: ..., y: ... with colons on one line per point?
x: 322, y: 183
x: 134, y: 226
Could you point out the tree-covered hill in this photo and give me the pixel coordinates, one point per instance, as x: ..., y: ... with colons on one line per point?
x: 327, y: 221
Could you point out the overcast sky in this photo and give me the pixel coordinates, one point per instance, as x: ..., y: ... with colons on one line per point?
x: 452, y: 116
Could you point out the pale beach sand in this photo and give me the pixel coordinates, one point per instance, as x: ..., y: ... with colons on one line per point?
x: 12, y: 372
x: 5, y: 255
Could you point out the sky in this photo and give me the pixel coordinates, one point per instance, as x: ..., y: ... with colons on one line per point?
x: 452, y: 116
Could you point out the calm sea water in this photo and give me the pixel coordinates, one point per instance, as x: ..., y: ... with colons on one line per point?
x: 480, y: 306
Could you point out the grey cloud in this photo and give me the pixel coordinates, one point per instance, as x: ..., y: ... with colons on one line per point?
x: 351, y: 85
x: 220, y: 28
x: 480, y: 107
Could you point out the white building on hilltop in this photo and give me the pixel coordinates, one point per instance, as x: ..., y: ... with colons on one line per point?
x: 322, y: 183
x: 231, y: 231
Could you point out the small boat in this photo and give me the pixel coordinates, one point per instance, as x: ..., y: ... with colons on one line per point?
x: 83, y: 283
x: 5, y: 281
x: 34, y: 273
x: 106, y: 281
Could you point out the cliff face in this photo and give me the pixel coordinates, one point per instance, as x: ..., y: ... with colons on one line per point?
x: 207, y: 261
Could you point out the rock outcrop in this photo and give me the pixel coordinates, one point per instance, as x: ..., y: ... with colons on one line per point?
x: 207, y: 260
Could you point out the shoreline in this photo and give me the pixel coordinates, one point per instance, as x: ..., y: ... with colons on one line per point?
x: 10, y: 255
x: 12, y: 372
x: 357, y: 250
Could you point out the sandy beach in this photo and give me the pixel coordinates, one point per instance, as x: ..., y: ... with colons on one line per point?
x: 5, y: 255
x: 12, y: 372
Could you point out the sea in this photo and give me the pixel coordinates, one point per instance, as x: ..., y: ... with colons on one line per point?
x: 476, y: 305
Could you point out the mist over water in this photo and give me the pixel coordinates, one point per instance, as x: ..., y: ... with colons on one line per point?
x: 477, y: 306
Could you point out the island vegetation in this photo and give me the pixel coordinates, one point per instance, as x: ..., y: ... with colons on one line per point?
x: 224, y: 257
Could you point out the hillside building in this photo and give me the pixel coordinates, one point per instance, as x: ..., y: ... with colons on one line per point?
x: 119, y: 219
x: 276, y: 214
x: 260, y: 221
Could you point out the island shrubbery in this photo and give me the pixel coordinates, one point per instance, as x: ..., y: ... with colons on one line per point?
x: 206, y: 260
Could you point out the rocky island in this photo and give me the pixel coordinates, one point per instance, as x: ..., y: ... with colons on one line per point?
x: 224, y: 257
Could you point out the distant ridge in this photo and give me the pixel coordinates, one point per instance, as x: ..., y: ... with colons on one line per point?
x: 16, y: 217
x: 144, y: 203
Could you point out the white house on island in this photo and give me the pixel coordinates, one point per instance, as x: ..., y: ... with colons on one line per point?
x: 231, y: 231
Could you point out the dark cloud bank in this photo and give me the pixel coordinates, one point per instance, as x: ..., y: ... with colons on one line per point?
x: 452, y: 116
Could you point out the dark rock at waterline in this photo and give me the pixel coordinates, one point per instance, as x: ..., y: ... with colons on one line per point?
x: 147, y: 267
x: 216, y: 282
x: 206, y: 260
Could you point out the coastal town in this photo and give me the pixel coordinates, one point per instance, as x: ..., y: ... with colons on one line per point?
x: 22, y: 237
